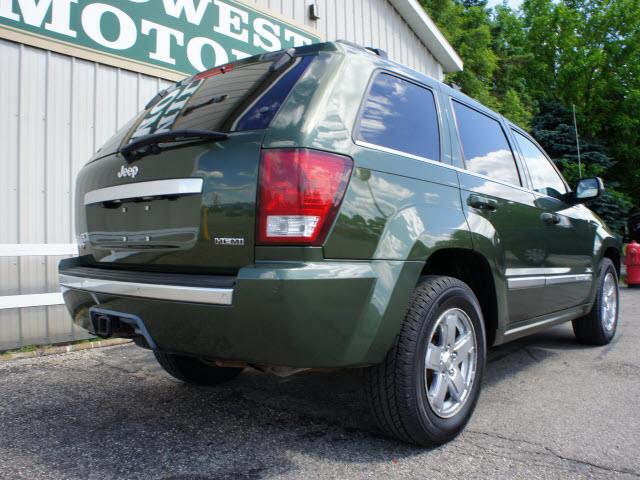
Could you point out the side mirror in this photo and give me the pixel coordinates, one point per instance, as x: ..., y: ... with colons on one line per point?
x: 587, y: 189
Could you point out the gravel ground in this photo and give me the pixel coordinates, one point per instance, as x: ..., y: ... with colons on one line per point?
x: 550, y: 408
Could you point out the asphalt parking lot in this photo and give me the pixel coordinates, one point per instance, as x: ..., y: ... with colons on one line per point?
x: 550, y: 408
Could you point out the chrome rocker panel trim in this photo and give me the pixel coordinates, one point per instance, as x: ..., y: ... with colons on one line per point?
x: 533, y: 282
x: 546, y: 321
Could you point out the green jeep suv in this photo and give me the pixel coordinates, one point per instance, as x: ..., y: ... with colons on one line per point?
x: 324, y: 207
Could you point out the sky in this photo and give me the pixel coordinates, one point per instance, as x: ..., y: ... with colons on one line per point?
x: 512, y: 3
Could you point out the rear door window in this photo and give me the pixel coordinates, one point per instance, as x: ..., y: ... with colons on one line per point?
x: 245, y: 95
x: 484, y: 145
x: 402, y: 116
x: 544, y: 177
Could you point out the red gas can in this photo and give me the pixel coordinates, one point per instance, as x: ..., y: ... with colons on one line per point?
x: 632, y: 261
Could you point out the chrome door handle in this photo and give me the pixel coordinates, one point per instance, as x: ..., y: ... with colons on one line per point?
x: 482, y: 203
x: 550, y: 218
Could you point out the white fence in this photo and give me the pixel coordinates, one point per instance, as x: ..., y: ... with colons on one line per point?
x: 34, y: 318
x: 55, y: 112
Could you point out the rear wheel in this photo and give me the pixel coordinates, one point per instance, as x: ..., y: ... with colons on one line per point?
x: 599, y: 326
x: 427, y: 387
x: 194, y: 370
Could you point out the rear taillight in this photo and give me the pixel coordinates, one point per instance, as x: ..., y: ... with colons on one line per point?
x: 300, y: 192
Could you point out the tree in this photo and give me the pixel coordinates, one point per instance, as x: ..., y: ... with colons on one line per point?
x: 531, y: 64
x: 467, y: 26
x: 553, y: 129
x: 509, y: 85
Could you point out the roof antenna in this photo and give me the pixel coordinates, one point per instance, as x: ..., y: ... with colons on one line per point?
x: 575, y: 126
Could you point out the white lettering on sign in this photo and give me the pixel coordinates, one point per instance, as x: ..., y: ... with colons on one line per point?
x: 164, y: 35
x: 150, y: 32
x: 232, y: 17
x: 265, y: 30
x: 298, y: 40
x: 194, y: 53
x: 60, y: 18
x: 6, y: 10
x: 33, y: 13
x: 239, y: 54
x: 192, y: 12
x: 91, y: 20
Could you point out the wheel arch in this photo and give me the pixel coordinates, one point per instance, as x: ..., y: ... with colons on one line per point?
x: 613, y: 254
x: 473, y: 269
x: 609, y: 247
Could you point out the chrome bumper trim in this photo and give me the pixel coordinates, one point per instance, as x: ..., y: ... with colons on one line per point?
x: 178, y: 293
x: 153, y: 188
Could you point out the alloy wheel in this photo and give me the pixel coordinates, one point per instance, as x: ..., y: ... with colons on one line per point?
x: 450, y: 362
x: 609, y: 303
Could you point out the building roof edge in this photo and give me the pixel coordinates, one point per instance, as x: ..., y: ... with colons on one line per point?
x: 427, y: 31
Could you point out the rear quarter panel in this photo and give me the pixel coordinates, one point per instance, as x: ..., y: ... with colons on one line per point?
x: 396, y: 211
x: 395, y: 207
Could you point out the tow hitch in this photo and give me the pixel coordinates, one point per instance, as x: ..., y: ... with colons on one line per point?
x: 108, y: 323
x: 102, y: 324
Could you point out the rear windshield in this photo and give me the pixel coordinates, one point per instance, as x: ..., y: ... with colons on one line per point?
x: 241, y: 96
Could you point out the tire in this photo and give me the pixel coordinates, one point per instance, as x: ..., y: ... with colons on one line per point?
x: 599, y: 326
x: 195, y: 371
x: 397, y: 388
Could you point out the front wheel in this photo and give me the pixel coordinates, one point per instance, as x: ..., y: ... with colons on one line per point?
x: 599, y: 326
x: 194, y: 370
x: 429, y: 383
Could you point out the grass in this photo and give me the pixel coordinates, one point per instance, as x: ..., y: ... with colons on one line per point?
x: 33, y: 348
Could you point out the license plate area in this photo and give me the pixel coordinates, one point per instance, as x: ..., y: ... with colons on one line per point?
x: 170, y: 223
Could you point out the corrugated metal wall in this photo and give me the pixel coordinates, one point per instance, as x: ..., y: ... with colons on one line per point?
x: 55, y: 111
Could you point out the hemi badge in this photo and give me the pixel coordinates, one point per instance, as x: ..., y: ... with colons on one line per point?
x: 233, y: 242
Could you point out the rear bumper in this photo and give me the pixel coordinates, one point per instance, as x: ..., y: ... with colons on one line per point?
x: 316, y: 314
x: 211, y: 290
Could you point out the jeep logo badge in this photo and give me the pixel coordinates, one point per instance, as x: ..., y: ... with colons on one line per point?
x: 127, y: 172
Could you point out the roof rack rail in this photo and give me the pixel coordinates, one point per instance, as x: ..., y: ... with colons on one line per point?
x: 377, y: 51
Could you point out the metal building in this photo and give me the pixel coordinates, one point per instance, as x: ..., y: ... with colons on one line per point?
x: 73, y: 71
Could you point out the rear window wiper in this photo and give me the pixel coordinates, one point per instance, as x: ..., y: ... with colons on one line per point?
x: 149, y: 144
x: 211, y: 101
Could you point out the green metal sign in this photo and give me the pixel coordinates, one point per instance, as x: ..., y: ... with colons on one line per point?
x: 181, y: 36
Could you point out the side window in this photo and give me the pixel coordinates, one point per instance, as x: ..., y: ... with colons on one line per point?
x: 544, y: 177
x: 485, y: 146
x: 400, y: 115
